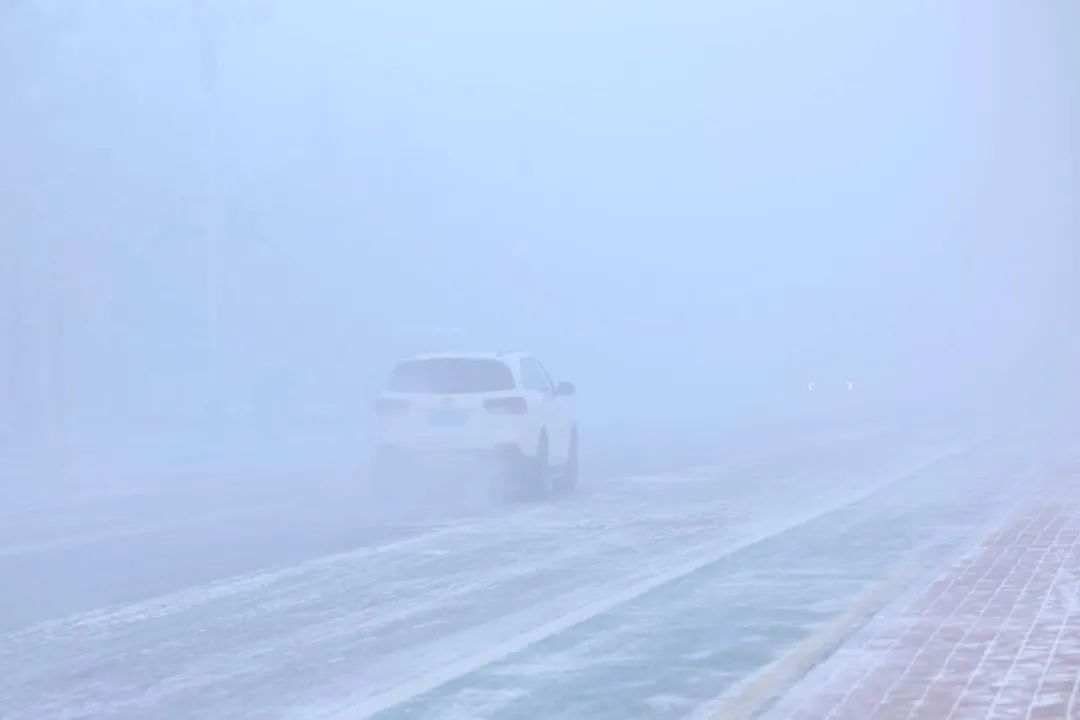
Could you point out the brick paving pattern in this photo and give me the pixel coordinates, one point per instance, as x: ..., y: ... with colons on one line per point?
x: 995, y: 636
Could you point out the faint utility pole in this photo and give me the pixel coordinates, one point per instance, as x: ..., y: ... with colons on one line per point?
x: 36, y: 278
x: 61, y: 400
x: 10, y: 429
x: 209, y: 18
x: 207, y: 43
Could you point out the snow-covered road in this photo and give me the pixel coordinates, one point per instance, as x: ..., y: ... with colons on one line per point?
x: 527, y: 612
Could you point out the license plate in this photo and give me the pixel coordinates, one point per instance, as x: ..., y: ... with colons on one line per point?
x: 448, y: 417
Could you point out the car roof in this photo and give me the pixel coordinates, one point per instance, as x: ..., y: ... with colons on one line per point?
x: 468, y: 356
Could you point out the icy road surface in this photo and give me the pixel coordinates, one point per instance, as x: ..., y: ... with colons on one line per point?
x: 645, y: 596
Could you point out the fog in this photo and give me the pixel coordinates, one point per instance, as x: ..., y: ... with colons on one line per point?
x: 797, y: 258
x: 233, y: 217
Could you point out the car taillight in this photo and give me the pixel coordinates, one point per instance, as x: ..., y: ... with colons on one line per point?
x: 507, y: 406
x: 391, y: 406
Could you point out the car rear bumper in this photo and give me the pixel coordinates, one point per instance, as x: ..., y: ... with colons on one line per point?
x: 451, y: 441
x: 419, y: 453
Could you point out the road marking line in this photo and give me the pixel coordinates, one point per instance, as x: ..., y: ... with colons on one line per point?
x: 469, y: 663
x: 754, y: 697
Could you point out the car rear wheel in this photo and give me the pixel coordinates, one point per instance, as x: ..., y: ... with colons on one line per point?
x: 568, y: 478
x: 538, y: 483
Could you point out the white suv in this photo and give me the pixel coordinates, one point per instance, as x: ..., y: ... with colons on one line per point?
x: 504, y: 407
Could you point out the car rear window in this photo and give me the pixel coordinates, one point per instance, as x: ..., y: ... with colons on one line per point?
x: 451, y: 375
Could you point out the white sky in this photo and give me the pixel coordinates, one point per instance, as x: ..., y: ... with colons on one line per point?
x: 683, y: 207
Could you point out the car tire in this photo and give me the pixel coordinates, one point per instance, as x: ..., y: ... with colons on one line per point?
x: 539, y: 478
x: 503, y: 481
x: 568, y: 478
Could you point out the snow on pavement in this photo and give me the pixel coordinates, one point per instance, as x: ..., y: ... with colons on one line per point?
x: 676, y: 648
x: 331, y: 634
x: 992, y: 634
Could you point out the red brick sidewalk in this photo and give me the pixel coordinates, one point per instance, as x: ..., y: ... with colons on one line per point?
x: 995, y: 636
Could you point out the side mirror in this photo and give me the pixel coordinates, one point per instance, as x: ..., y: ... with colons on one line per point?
x: 565, y: 389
